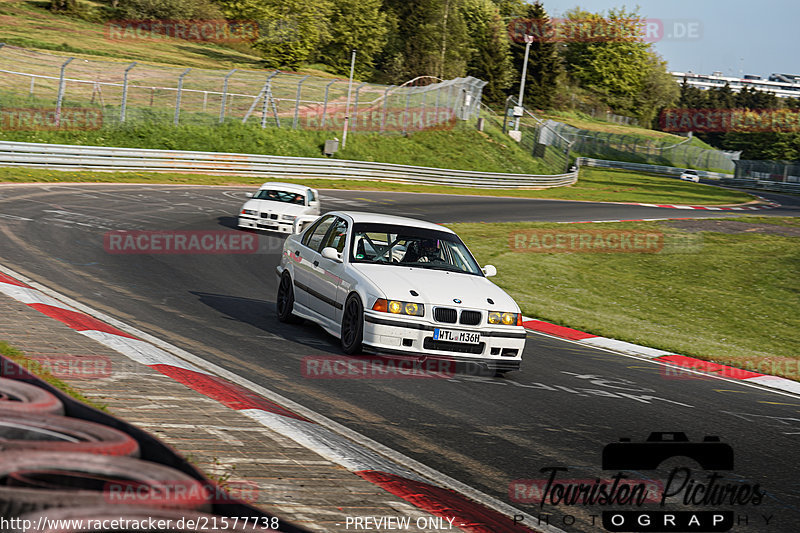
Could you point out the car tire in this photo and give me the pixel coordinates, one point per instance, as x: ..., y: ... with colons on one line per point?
x: 23, y: 397
x: 36, y: 481
x: 352, y: 325
x: 25, y: 431
x: 285, y: 299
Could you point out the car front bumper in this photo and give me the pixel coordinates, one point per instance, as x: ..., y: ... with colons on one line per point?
x: 499, y: 348
x: 266, y: 224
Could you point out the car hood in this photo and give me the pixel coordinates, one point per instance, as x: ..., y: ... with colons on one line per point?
x: 276, y: 207
x: 437, y: 287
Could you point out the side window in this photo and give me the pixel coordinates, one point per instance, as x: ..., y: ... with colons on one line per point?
x: 314, y: 235
x: 337, y: 236
x: 311, y: 195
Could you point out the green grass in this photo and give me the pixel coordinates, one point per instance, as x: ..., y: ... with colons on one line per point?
x: 729, y: 298
x: 31, y: 25
x: 35, y: 368
x: 593, y: 185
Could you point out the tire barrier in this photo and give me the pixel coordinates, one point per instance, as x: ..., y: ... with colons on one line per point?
x: 36, y: 481
x: 120, y: 520
x: 42, y: 432
x: 25, y: 398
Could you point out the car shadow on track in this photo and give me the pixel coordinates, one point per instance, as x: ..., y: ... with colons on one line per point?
x: 261, y: 315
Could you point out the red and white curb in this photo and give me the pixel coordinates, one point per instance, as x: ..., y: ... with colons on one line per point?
x: 672, y: 359
x: 407, y: 479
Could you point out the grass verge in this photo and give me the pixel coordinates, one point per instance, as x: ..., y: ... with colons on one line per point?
x: 731, y: 297
x: 594, y: 185
x: 34, y: 367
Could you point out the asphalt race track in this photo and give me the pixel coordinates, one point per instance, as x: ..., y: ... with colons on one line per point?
x: 567, y: 403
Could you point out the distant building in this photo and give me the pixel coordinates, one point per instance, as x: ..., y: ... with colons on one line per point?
x: 781, y: 85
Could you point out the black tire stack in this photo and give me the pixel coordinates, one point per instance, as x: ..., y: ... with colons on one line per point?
x: 61, y: 460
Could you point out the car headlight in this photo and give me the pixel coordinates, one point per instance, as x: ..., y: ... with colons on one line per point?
x: 397, y: 307
x: 507, y: 319
x: 249, y: 212
x: 290, y: 218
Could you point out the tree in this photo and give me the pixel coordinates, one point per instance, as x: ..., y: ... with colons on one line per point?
x: 607, y: 55
x: 290, y: 31
x: 430, y: 39
x: 490, y: 58
x: 358, y: 24
x: 544, y: 65
x: 510, y: 8
x: 658, y: 91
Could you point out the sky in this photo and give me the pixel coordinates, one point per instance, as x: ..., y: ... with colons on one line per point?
x: 735, y: 37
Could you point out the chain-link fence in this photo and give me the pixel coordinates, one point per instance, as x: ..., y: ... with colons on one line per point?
x: 778, y: 171
x: 642, y: 149
x: 534, y: 135
x: 136, y: 91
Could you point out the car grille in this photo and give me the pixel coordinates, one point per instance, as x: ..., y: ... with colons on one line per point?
x: 447, y: 346
x: 470, y: 318
x: 445, y: 314
x: 273, y: 216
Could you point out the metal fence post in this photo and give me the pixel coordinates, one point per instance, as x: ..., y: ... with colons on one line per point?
x: 125, y: 92
x: 61, y: 84
x: 297, y: 101
x: 385, y: 103
x: 224, y: 96
x: 267, y: 99
x: 178, y: 97
x: 436, y: 105
x: 405, y: 113
x: 355, y: 107
x: 325, y: 104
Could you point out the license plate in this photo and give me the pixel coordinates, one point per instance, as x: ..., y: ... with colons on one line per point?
x: 267, y: 225
x: 465, y: 337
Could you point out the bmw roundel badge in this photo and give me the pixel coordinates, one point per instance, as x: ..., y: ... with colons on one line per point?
x: 456, y: 300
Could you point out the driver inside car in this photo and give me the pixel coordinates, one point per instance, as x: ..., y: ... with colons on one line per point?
x: 423, y: 251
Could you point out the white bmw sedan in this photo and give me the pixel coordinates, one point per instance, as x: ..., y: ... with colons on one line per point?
x: 400, y: 286
x: 276, y: 206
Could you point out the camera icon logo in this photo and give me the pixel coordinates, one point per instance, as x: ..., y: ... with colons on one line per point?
x: 710, y: 454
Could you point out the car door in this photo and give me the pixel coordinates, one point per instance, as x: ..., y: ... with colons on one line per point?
x: 330, y: 272
x: 305, y: 255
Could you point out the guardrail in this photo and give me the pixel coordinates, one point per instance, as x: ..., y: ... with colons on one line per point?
x: 767, y: 185
x: 642, y: 167
x: 98, y: 158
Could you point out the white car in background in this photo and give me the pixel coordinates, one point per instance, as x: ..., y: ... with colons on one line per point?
x: 399, y: 286
x: 690, y: 175
x: 276, y: 206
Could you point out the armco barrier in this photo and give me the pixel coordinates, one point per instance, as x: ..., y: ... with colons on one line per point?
x: 71, y: 157
x: 767, y: 185
x: 652, y: 169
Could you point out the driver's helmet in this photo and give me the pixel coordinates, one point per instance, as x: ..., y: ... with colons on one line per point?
x: 429, y: 248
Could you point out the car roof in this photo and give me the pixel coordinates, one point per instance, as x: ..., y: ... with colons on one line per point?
x: 376, y: 218
x: 292, y: 187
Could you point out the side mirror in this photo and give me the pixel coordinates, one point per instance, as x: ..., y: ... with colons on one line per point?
x: 248, y: 195
x: 489, y: 271
x: 330, y: 253
x: 301, y: 222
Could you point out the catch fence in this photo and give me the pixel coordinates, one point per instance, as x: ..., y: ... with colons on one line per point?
x: 129, y: 91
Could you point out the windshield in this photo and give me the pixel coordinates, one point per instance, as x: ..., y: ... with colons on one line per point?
x: 413, y: 247
x: 280, y: 196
